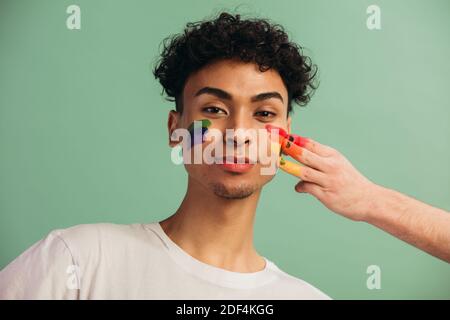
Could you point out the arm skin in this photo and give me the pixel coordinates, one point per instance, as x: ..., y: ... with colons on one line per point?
x: 415, y: 222
x: 332, y: 179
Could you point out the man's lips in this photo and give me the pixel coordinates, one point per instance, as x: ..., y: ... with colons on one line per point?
x: 236, y: 167
x: 235, y: 164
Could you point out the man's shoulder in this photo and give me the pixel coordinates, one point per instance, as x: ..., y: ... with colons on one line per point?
x: 95, y: 230
x: 103, y: 238
x: 298, y: 288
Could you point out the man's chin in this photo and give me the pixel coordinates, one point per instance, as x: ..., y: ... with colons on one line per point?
x: 240, y: 191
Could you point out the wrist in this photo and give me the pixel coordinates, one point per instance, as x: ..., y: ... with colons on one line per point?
x: 376, y: 194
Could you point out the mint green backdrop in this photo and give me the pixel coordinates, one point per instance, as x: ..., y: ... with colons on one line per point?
x: 83, y: 128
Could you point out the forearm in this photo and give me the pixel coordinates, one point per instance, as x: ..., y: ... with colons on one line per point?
x: 417, y: 223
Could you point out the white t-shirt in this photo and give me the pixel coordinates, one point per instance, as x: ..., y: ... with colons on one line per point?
x: 136, y: 261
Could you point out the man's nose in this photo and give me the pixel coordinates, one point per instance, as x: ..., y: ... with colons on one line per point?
x: 241, y: 128
x: 237, y: 139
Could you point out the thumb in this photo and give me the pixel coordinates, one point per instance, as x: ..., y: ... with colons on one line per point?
x: 300, y: 187
x: 309, y: 187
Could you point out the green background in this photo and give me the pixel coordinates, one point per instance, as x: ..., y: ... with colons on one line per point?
x: 83, y: 135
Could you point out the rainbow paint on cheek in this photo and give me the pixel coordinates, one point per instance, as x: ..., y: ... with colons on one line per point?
x: 197, y: 133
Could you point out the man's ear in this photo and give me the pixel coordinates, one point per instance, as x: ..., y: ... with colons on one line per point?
x: 173, y: 123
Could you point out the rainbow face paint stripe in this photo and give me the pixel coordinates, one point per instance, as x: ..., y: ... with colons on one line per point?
x: 197, y: 130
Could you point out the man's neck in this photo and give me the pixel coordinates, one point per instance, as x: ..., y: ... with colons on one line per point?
x: 216, y: 230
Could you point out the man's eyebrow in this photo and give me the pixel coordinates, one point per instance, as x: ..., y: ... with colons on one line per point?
x: 215, y: 92
x: 267, y: 95
x: 227, y: 96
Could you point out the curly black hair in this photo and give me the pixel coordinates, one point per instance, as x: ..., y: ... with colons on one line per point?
x: 227, y: 37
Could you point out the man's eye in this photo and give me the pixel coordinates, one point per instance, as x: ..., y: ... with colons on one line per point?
x: 213, y: 109
x: 265, y: 114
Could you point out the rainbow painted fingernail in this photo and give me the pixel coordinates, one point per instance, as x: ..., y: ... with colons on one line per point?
x: 294, y: 138
x: 291, y: 149
x: 298, y: 140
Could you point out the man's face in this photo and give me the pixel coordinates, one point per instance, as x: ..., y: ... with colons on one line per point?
x: 232, y: 106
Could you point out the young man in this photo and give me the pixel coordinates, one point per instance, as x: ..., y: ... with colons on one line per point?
x: 235, y: 74
x: 238, y: 74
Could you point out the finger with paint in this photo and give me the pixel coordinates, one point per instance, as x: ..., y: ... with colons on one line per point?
x: 294, y: 138
x: 290, y: 145
x: 290, y: 167
x: 312, y: 156
x: 291, y: 149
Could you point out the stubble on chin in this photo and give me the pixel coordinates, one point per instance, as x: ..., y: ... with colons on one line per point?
x: 235, y: 192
